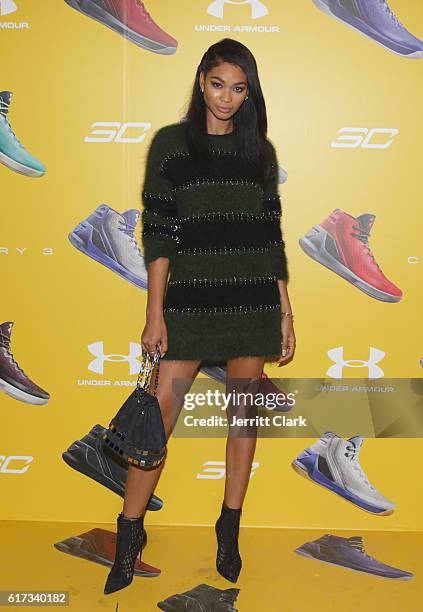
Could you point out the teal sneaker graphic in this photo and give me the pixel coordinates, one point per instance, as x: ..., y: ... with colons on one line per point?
x: 12, y: 153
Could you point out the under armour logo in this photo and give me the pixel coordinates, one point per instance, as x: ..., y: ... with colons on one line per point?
x: 97, y: 364
x: 337, y: 355
x: 258, y: 9
x: 7, y: 6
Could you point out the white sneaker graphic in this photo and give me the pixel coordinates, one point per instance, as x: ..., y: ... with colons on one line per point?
x: 334, y: 463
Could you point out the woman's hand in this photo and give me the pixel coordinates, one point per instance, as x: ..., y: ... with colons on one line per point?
x: 155, y: 335
x: 288, y: 340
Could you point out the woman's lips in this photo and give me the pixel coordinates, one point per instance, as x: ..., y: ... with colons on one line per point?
x: 223, y: 110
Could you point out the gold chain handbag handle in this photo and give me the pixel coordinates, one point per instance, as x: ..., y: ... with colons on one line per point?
x: 147, y: 366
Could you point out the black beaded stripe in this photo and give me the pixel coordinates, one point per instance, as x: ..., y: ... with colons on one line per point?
x: 153, y: 229
x: 241, y: 310
x: 207, y: 182
x: 231, y: 251
x: 160, y: 205
x: 221, y: 296
x: 231, y: 215
x: 183, y: 171
x: 238, y: 233
x: 272, y: 205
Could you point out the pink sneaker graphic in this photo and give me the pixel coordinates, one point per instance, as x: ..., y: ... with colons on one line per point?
x: 341, y: 244
x: 130, y: 19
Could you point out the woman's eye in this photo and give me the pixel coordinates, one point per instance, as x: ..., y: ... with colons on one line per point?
x: 215, y: 83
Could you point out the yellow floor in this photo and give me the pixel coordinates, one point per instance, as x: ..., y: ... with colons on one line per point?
x: 273, y: 578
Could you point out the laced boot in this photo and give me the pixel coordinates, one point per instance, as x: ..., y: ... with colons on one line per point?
x: 228, y: 559
x: 129, y: 540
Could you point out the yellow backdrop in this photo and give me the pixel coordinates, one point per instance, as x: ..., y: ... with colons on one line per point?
x: 67, y: 72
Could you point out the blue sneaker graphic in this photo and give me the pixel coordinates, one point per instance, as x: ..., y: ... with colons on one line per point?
x: 374, y: 19
x: 332, y: 462
x: 108, y: 237
x: 349, y: 553
x: 12, y: 153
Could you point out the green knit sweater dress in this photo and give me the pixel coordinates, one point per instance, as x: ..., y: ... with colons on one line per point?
x: 221, y: 232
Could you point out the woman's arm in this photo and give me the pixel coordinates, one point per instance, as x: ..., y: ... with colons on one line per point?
x: 159, y: 239
x: 272, y: 206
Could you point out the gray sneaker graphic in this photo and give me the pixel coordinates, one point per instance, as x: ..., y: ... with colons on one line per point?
x: 349, y: 553
x: 13, y: 380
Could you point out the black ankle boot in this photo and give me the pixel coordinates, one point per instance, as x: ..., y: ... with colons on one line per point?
x: 129, y: 540
x: 228, y: 560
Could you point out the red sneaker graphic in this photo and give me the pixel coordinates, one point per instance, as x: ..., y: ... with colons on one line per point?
x: 130, y: 19
x: 341, y: 244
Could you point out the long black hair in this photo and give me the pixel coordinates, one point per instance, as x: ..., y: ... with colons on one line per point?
x: 250, y: 121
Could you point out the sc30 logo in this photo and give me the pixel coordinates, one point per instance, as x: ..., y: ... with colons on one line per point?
x: 15, y: 464
x: 215, y: 470
x: 353, y: 138
x: 114, y: 131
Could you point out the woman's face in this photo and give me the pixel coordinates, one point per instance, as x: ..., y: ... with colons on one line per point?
x: 225, y: 88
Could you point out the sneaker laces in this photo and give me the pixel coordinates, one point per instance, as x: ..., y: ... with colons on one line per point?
x: 352, y: 455
x: 5, y: 343
x: 129, y: 231
x: 391, y: 14
x: 358, y: 545
x: 364, y: 235
x: 4, y: 109
x: 146, y: 15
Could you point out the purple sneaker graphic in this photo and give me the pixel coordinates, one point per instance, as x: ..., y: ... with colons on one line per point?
x: 13, y: 380
x: 108, y: 237
x: 374, y: 19
x: 349, y: 553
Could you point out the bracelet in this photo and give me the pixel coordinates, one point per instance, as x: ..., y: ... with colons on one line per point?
x: 287, y: 314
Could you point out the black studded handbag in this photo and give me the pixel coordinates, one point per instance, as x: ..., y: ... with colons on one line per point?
x: 136, y: 433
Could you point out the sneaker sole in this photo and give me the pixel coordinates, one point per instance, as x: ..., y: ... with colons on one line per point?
x: 20, y: 395
x: 327, y: 260
x: 93, y: 11
x: 302, y: 553
x: 106, y: 261
x: 321, y: 5
x: 303, y: 472
x: 18, y: 167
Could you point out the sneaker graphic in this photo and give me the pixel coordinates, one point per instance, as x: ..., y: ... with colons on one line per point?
x: 282, y: 175
x: 341, y: 243
x: 99, y: 546
x: 91, y: 457
x: 130, y: 19
x: 13, y: 380
x: 217, y: 7
x: 108, y: 237
x: 202, y: 598
x: 12, y: 152
x: 349, y: 553
x: 7, y: 6
x: 333, y: 463
x: 374, y: 19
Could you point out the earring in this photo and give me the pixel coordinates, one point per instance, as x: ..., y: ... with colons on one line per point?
x: 246, y: 97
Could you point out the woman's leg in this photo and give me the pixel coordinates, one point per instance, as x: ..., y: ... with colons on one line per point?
x: 243, y: 376
x: 141, y: 483
x: 241, y: 444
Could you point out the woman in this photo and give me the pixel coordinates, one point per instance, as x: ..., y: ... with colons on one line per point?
x: 211, y: 219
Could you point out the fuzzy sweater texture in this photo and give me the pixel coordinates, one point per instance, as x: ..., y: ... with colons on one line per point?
x: 221, y: 232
